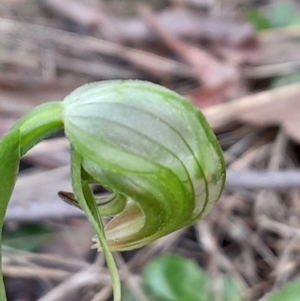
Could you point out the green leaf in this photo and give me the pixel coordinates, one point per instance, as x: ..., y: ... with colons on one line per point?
x: 174, y: 278
x: 290, y: 292
x: 254, y: 16
x: 9, y: 162
x: 230, y: 290
x: 282, y: 14
x: 286, y: 80
x: 27, y: 238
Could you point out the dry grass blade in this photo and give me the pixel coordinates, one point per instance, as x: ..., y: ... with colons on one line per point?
x: 88, y: 276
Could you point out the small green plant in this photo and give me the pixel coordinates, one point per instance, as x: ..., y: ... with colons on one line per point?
x: 290, y: 292
x: 282, y: 14
x: 147, y: 145
x: 173, y: 278
x: 29, y: 237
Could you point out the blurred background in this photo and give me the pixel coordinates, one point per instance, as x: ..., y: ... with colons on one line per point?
x: 239, y: 62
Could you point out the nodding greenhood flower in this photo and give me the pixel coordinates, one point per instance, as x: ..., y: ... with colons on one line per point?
x: 151, y: 149
x: 147, y: 145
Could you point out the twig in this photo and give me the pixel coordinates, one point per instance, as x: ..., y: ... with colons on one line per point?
x: 95, y: 69
x: 104, y: 294
x: 51, y: 207
x: 270, y: 70
x: 280, y: 228
x: 38, y: 272
x: 286, y: 263
x: 87, y: 276
x: 218, y: 257
x: 21, y: 257
x: 267, y: 179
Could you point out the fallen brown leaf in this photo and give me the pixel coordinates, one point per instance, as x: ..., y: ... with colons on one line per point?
x: 279, y: 106
x: 284, y: 112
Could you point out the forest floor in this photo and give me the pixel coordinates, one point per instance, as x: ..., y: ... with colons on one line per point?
x: 237, y: 60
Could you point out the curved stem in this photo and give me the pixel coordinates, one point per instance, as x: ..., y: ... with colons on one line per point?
x: 39, y: 123
x: 9, y: 161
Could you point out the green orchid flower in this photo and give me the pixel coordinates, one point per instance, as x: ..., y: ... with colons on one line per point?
x: 149, y: 147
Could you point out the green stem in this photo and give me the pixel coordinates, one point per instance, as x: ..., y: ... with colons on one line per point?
x: 9, y: 161
x: 39, y: 123
x: 98, y: 225
x: 87, y: 203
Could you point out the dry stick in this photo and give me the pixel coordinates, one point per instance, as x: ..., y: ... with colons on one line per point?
x: 281, y: 272
x: 95, y: 69
x: 23, y: 268
x: 215, y: 257
x: 21, y: 257
x: 33, y: 273
x: 36, y: 211
x: 257, y: 242
x: 271, y: 70
x: 240, y: 144
x: 278, y: 151
x: 244, y: 238
x: 207, y: 239
x: 273, y: 207
x: 280, y: 228
x: 249, y: 179
x: 87, y: 276
x: 258, y: 148
x: 104, y: 294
